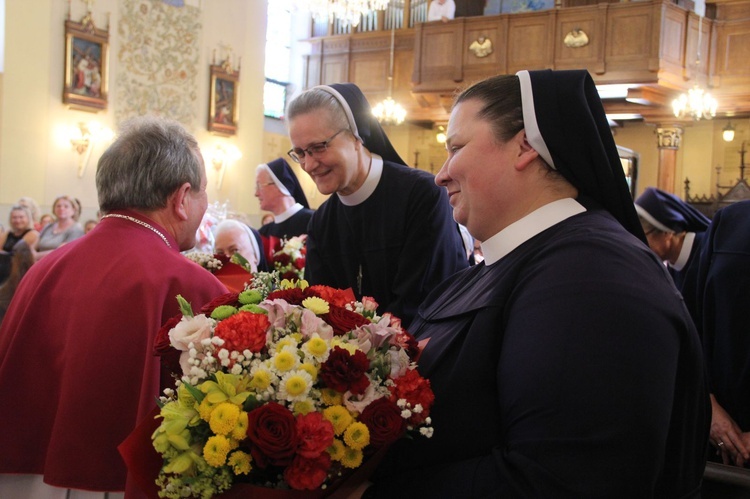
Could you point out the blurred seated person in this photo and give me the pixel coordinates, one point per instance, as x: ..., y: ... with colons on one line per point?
x: 675, y: 232
x: 89, y: 225
x: 723, y: 321
x: 21, y: 228
x: 20, y: 262
x: 441, y: 10
x: 233, y: 236
x: 565, y: 365
x: 278, y: 190
x: 45, y: 220
x: 33, y: 209
x: 64, y: 229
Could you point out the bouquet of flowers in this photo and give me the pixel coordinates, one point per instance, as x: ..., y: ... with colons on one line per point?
x: 289, y: 258
x: 284, y: 386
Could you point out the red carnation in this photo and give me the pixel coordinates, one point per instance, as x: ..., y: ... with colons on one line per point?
x: 282, y: 259
x: 416, y: 390
x: 342, y: 320
x: 225, y: 299
x: 308, y: 473
x: 243, y: 331
x: 273, y: 431
x: 315, y: 434
x: 345, y: 372
x: 383, y: 419
x: 338, y: 297
x: 299, y: 263
x: 405, y: 340
x: 290, y: 274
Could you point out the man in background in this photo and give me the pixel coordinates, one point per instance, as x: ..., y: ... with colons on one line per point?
x: 77, y: 345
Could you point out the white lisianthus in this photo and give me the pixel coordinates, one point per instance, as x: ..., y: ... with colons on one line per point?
x: 191, y: 330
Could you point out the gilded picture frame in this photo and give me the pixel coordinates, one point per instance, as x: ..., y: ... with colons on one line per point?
x: 86, y: 65
x: 223, y: 103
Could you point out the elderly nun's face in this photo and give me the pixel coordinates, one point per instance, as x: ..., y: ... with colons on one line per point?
x: 479, y: 171
x: 336, y: 168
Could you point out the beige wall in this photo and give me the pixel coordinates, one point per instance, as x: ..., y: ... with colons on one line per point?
x: 36, y: 158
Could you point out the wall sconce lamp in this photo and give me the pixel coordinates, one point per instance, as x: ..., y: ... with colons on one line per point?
x: 221, y: 156
x: 728, y: 133
x: 83, y: 139
x: 440, y: 136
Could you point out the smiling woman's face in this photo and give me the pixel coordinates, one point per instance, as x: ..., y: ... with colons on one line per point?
x: 338, y: 168
x: 476, y: 171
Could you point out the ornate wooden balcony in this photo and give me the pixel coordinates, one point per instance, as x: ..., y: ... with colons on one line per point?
x: 652, y: 46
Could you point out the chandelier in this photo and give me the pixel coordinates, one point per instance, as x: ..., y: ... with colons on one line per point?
x: 697, y: 103
x: 390, y: 112
x: 348, y: 11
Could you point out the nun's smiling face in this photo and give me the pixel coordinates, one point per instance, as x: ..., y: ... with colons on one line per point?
x: 338, y: 168
x: 479, y: 171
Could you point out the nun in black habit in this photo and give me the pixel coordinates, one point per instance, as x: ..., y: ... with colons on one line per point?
x: 291, y: 211
x: 386, y: 230
x: 724, y: 324
x: 675, y: 231
x: 565, y: 364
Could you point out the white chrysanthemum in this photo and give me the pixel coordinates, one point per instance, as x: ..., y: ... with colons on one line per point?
x: 316, y: 348
x: 295, y: 385
x: 285, y: 360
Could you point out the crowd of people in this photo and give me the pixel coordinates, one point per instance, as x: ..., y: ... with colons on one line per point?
x: 589, y: 346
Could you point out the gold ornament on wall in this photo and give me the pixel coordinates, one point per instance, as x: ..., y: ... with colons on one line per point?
x: 576, y: 38
x: 481, y: 47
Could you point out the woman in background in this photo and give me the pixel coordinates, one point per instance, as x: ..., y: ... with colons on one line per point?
x: 63, y: 230
x: 21, y: 229
x: 22, y: 260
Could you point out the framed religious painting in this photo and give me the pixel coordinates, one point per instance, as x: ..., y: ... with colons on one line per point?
x: 223, y: 104
x: 86, y: 60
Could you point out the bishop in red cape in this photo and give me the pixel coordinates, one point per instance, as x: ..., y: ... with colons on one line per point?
x: 77, y: 366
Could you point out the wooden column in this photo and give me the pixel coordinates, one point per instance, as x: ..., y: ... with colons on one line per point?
x: 668, y: 142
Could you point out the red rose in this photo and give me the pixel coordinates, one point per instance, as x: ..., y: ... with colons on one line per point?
x: 308, y: 473
x: 315, y: 434
x: 282, y: 259
x: 273, y: 431
x: 338, y: 297
x: 243, y: 331
x: 383, y: 419
x: 342, y: 320
x: 345, y: 372
x: 416, y: 390
x: 293, y: 296
x: 291, y: 275
x: 162, y: 344
x: 299, y: 263
x: 225, y: 299
x: 405, y: 340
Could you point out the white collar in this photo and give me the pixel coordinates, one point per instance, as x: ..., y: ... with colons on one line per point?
x: 520, y: 231
x: 368, y: 187
x: 687, y: 247
x: 287, y: 213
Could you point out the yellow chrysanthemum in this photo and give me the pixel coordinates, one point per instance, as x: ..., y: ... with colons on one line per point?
x: 285, y: 360
x: 224, y: 418
x: 310, y: 369
x: 205, y: 409
x: 240, y: 462
x: 352, y: 458
x: 286, y: 341
x: 339, y: 417
x: 330, y: 396
x: 316, y: 346
x: 261, y: 380
x: 336, y: 450
x: 357, y: 435
x: 216, y: 449
x: 317, y: 305
x: 303, y: 407
x: 240, y: 430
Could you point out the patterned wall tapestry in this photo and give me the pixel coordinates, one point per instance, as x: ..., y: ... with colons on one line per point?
x: 157, y: 61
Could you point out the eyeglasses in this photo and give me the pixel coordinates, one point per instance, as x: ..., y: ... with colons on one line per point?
x: 298, y: 154
x: 259, y: 186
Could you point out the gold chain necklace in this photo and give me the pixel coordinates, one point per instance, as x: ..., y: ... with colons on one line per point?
x: 140, y: 222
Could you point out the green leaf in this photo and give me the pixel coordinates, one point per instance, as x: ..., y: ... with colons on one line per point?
x: 240, y: 260
x: 197, y: 394
x: 185, y: 307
